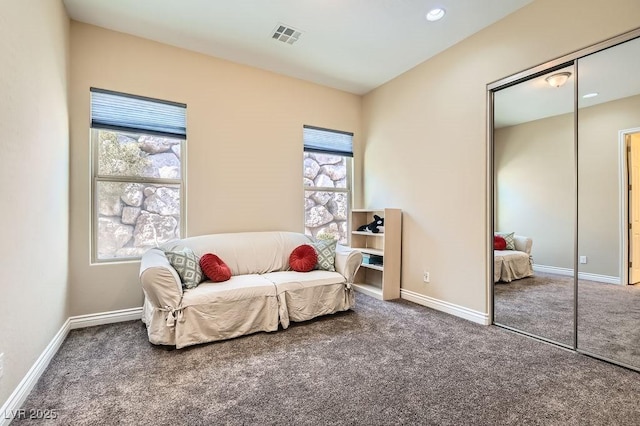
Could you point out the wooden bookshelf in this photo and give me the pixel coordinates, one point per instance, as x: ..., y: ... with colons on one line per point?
x: 378, y: 280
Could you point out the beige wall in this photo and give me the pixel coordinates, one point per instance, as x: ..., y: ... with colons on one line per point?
x: 34, y: 171
x: 426, y: 144
x: 598, y: 184
x: 535, y: 186
x: 244, y: 145
x: 534, y: 165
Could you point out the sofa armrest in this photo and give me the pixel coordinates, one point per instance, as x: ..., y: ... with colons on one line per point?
x: 160, y: 282
x: 523, y: 243
x: 347, y: 262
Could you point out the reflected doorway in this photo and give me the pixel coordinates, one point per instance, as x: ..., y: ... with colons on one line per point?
x: 632, y: 142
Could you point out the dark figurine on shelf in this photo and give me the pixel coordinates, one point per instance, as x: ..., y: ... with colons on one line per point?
x: 373, y: 226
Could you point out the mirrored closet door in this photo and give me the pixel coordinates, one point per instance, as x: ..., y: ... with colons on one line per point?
x: 565, y: 206
x: 609, y: 203
x: 534, y: 204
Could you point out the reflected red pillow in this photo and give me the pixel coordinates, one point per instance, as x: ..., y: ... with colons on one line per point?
x: 303, y: 258
x: 499, y: 243
x: 214, y: 268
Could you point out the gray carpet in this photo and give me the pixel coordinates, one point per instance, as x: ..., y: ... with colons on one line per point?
x: 608, y: 314
x: 384, y: 363
x: 609, y: 320
x: 541, y: 305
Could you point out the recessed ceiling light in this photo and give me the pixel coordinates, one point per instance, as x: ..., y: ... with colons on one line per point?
x: 590, y: 95
x: 435, y: 14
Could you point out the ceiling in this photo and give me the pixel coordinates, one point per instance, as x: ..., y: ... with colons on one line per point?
x: 612, y: 73
x: 352, y: 45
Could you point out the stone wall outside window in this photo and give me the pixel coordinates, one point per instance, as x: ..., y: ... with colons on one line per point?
x: 326, y: 212
x: 132, y: 217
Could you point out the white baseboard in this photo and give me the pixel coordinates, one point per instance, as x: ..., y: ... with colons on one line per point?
x: 82, y: 321
x: 581, y: 275
x: 441, y: 305
x: 600, y: 278
x: 20, y: 394
x: 553, y: 270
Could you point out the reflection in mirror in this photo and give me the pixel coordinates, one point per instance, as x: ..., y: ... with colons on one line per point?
x: 534, y: 195
x: 609, y: 203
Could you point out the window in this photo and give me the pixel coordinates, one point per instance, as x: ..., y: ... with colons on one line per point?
x: 138, y: 174
x: 327, y: 183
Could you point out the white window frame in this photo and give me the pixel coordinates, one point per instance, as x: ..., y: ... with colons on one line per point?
x: 98, y: 178
x: 349, y: 180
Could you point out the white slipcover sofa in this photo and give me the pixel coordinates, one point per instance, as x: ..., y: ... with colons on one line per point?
x: 261, y: 293
x: 511, y: 265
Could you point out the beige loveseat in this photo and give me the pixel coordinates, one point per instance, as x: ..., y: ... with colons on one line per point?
x: 512, y: 265
x: 261, y: 293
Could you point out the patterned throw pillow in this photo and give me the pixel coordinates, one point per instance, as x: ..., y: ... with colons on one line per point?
x: 326, y: 251
x: 187, y: 265
x: 508, y: 237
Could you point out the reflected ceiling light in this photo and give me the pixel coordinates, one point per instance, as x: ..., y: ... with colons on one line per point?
x: 435, y: 14
x: 558, y: 79
x: 590, y: 95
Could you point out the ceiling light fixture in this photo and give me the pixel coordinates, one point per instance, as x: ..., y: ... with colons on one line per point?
x: 558, y: 79
x: 590, y: 95
x: 435, y: 14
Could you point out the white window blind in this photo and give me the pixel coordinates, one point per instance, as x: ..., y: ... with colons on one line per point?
x: 124, y: 112
x: 328, y: 141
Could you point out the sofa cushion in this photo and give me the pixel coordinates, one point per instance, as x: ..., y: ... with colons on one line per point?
x: 499, y: 243
x: 238, y: 287
x: 187, y: 265
x: 326, y: 251
x: 306, y: 295
x: 303, y: 258
x: 214, y: 268
x: 291, y: 280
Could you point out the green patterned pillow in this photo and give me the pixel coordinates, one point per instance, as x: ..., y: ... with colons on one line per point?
x: 326, y: 250
x: 508, y: 237
x: 187, y: 265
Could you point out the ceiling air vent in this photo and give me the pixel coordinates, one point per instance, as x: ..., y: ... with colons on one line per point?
x: 286, y: 34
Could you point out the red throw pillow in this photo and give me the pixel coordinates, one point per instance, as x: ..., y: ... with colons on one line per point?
x: 499, y: 243
x: 214, y: 268
x: 303, y: 258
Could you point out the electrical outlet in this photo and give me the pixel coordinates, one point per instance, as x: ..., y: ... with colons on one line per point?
x: 583, y: 259
x: 425, y: 277
x: 1, y: 364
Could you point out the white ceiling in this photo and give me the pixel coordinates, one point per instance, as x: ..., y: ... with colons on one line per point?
x: 612, y: 73
x: 352, y: 45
